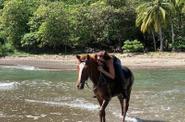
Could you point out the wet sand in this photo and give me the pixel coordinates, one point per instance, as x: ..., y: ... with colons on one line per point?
x: 68, y: 62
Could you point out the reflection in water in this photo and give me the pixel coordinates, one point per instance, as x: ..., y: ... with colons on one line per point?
x: 48, y: 96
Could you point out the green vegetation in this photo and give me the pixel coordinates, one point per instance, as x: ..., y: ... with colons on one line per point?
x: 6, y: 49
x: 133, y: 46
x: 65, y: 26
x: 179, y: 44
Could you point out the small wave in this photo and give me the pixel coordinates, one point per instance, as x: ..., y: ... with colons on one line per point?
x: 26, y: 67
x: 74, y: 104
x: 130, y: 119
x: 34, y: 83
x: 4, y: 115
x: 23, y: 67
x: 8, y: 86
x: 1, y: 114
x: 36, y: 117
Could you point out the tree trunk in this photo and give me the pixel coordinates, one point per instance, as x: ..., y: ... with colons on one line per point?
x: 65, y: 49
x: 154, y: 41
x: 161, y: 40
x: 180, y: 21
x: 173, y: 36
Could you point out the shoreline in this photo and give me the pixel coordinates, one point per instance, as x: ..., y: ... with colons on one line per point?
x: 69, y: 62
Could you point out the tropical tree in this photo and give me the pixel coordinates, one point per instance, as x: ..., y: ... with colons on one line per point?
x: 102, y: 25
x: 176, y: 18
x: 90, y: 24
x: 140, y: 20
x: 15, y: 16
x: 153, y: 16
x: 49, y: 27
x: 178, y: 5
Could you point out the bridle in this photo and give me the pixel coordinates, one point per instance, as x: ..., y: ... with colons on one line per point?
x: 81, y: 75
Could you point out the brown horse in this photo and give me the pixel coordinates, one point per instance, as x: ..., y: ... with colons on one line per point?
x: 87, y: 68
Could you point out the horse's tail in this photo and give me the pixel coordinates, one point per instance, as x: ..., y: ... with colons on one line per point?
x: 129, y: 81
x: 129, y: 76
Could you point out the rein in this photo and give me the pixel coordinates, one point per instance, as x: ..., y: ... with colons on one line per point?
x: 87, y: 86
x: 90, y: 74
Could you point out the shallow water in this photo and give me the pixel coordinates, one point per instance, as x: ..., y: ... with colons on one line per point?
x: 28, y: 94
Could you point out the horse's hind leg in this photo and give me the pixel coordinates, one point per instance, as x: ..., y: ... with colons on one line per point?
x: 123, y: 104
x: 127, y: 100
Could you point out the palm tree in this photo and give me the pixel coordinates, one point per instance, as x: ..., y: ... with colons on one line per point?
x: 153, y: 15
x: 141, y: 21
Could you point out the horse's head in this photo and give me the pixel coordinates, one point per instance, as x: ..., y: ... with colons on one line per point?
x: 85, y: 65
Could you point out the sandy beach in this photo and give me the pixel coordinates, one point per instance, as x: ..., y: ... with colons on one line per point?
x: 69, y: 62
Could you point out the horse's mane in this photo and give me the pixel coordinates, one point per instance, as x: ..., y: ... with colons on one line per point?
x: 88, y: 56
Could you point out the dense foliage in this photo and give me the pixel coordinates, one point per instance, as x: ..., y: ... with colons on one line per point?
x: 75, y: 25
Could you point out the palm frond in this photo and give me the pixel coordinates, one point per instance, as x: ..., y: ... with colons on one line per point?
x: 163, y: 13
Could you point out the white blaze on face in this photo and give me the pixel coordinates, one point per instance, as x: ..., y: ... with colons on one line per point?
x: 81, y: 67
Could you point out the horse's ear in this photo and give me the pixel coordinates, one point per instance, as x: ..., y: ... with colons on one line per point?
x: 78, y: 57
x: 88, y: 57
x: 95, y: 56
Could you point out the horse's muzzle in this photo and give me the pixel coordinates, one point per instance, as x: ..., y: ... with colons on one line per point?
x: 80, y: 86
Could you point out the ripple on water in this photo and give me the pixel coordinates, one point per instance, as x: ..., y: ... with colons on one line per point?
x: 173, y: 91
x: 77, y: 103
x: 34, y: 117
x: 128, y: 119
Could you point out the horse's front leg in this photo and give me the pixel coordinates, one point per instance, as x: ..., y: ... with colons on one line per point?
x: 103, y: 99
x: 100, y: 103
x: 102, y: 109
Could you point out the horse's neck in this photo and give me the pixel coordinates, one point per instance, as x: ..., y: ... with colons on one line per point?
x: 94, y: 75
